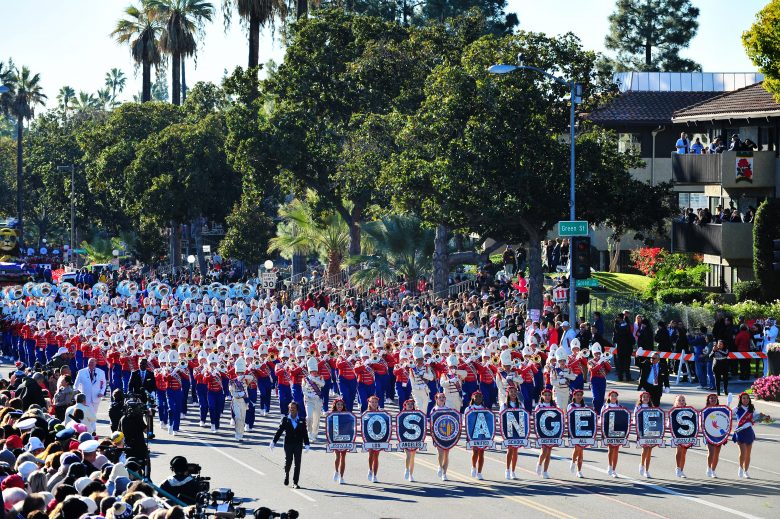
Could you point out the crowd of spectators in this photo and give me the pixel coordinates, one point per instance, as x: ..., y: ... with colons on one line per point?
x: 685, y: 146
x: 703, y: 216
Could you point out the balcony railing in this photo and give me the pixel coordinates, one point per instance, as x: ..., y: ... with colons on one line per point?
x: 726, y: 169
x: 731, y: 241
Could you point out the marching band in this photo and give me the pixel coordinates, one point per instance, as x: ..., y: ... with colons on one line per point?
x: 227, y: 348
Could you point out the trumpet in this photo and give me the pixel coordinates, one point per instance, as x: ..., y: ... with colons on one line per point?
x: 182, y: 364
x: 256, y: 364
x: 222, y: 368
x: 333, y: 354
x: 607, y: 356
x: 374, y: 358
x: 584, y: 353
x: 190, y: 356
x: 517, y: 363
x: 536, y: 359
x: 495, y: 360
x: 272, y: 357
x: 313, y: 351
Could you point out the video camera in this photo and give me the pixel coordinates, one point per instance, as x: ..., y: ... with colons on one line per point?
x: 219, y: 500
x: 266, y: 513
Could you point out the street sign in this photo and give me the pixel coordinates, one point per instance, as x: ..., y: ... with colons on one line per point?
x: 268, y: 280
x: 79, y: 251
x: 207, y: 248
x: 590, y: 282
x: 575, y: 228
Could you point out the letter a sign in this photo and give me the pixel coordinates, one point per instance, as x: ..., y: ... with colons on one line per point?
x: 480, y: 428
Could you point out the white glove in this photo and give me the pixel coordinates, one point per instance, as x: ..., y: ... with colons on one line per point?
x: 306, y: 448
x: 271, y: 445
x: 666, y: 390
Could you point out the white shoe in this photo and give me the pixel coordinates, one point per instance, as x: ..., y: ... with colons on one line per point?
x: 642, y: 470
x: 740, y: 473
x: 507, y: 474
x: 682, y: 474
x: 614, y: 473
x: 411, y: 478
x: 714, y: 476
x: 678, y: 472
x: 609, y: 471
x: 709, y: 472
x: 170, y: 429
x: 538, y: 470
x: 213, y: 428
x: 513, y: 475
x: 238, y: 437
x: 473, y: 472
x: 203, y: 424
x: 545, y: 475
x: 479, y: 476
x: 246, y: 428
x: 374, y: 479
x: 439, y: 472
x: 341, y: 480
x: 647, y: 474
x: 406, y: 475
x: 232, y: 422
x: 572, y: 467
x: 747, y: 475
x: 370, y: 476
x: 444, y: 477
x: 579, y: 474
x: 335, y: 476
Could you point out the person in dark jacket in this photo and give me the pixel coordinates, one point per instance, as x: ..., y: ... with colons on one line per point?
x: 142, y: 381
x: 654, y: 378
x: 662, y: 337
x: 31, y: 392
x: 624, y: 342
x: 117, y: 409
x: 295, y: 437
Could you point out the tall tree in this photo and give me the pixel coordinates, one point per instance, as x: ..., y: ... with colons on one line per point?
x: 65, y: 99
x: 115, y: 82
x: 26, y: 93
x: 649, y: 34
x: 183, y: 22
x: 256, y: 14
x: 141, y: 31
x: 85, y: 102
x: 763, y: 46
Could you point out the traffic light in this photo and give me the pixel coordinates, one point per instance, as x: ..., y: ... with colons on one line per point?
x: 580, y: 257
x: 582, y: 296
x: 776, y: 252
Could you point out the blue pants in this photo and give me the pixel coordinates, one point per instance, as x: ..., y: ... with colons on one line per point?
x: 348, y: 389
x: 334, y: 381
x: 468, y: 390
x: 216, y: 400
x: 404, y: 393
x: 7, y: 343
x: 29, y: 350
x: 185, y: 391
x: 264, y: 392
x: 125, y: 380
x: 162, y: 406
x: 20, y: 350
x: 390, y: 386
x: 250, y: 408
x: 527, y: 390
x: 577, y: 383
x: 297, y: 396
x: 433, y: 388
x: 701, y: 372
x: 365, y: 391
x: 51, y: 349
x: 598, y: 387
x: 710, y: 375
x: 202, y: 391
x: 285, y: 397
x: 79, y: 360
x: 489, y: 394
x: 116, y: 377
x: 538, y: 385
x: 175, y: 397
x: 40, y: 355
x: 325, y: 394
x: 381, y: 382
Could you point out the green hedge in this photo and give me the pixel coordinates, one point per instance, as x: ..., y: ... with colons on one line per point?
x: 747, y: 290
x: 672, y: 296
x: 766, y: 227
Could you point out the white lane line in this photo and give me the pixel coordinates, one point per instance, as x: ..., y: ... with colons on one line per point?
x: 721, y: 459
x: 671, y: 492
x: 234, y: 459
x: 307, y: 498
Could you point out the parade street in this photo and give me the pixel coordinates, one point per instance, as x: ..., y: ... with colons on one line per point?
x: 255, y: 473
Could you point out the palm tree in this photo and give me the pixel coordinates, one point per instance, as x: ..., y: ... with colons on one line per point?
x: 85, y: 102
x: 141, y: 30
x: 25, y: 94
x: 104, y: 99
x: 182, y: 25
x: 115, y: 82
x: 65, y: 98
x: 300, y: 232
x: 400, y: 246
x: 257, y: 13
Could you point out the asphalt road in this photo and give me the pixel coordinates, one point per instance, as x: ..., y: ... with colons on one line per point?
x: 255, y: 473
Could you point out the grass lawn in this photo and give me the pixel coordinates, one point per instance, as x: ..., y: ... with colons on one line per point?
x: 622, y: 283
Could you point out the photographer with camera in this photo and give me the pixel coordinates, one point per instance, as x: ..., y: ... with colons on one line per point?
x: 183, y: 484
x: 133, y: 426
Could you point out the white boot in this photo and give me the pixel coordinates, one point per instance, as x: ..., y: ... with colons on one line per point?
x: 508, y: 474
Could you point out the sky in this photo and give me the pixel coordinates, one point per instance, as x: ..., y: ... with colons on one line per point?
x: 68, y: 41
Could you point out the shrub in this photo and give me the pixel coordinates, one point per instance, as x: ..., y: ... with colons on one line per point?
x: 766, y: 227
x: 676, y: 275
x: 744, y: 290
x: 679, y: 295
x: 715, y: 298
x: 767, y: 388
x: 647, y: 260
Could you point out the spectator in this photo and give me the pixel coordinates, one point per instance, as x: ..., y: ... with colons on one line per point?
x: 742, y: 343
x: 682, y: 144
x: 716, y: 146
x: 697, y: 148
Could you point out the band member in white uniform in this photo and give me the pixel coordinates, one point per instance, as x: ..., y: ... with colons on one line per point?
x: 560, y: 379
x: 506, y: 377
x: 240, y: 397
x: 312, y: 391
x: 452, y: 383
x: 419, y: 376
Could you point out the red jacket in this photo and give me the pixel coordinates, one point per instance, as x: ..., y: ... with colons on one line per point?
x: 742, y: 341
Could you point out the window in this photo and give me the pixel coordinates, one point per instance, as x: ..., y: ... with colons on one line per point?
x: 695, y: 200
x: 629, y: 142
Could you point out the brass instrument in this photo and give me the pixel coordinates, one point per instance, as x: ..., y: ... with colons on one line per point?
x: 536, y: 359
x: 584, y: 354
x: 607, y: 355
x: 257, y: 364
x: 272, y: 357
x: 222, y: 368
x: 333, y: 354
x: 183, y: 364
x: 452, y: 348
x: 190, y: 355
x: 374, y: 358
x: 495, y: 360
x: 517, y: 363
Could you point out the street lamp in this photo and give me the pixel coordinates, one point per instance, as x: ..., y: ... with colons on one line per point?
x: 72, y: 170
x: 576, y: 97
x: 191, y: 261
x: 268, y: 265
